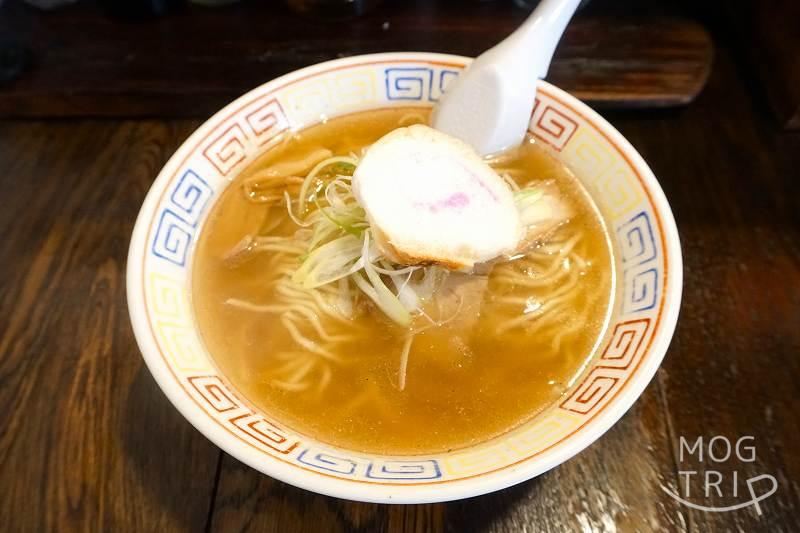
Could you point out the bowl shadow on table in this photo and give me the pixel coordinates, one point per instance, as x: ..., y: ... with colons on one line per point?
x: 170, y: 465
x: 172, y: 468
x: 246, y: 498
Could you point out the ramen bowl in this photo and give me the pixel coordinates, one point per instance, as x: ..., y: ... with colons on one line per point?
x: 636, y: 333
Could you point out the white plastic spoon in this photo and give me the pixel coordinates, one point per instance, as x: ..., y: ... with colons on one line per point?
x: 489, y: 105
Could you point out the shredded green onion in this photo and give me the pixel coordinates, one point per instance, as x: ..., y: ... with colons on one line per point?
x: 312, y: 177
x: 341, y: 249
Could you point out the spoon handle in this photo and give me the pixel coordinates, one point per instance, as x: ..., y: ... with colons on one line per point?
x: 540, y: 33
x: 489, y: 106
x: 530, y: 48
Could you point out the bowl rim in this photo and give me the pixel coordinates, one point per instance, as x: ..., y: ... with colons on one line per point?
x: 394, y: 493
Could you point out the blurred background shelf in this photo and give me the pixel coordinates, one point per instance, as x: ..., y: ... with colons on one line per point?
x: 79, y: 61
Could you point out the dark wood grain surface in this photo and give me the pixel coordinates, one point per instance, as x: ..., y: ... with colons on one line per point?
x: 191, y: 63
x: 89, y: 443
x: 771, y: 47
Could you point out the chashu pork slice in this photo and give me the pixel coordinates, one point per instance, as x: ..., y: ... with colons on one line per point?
x: 430, y: 199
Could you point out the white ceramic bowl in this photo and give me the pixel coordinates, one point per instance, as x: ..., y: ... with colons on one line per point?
x: 639, y: 327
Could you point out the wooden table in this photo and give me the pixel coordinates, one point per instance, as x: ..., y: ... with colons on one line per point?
x: 88, y: 441
x: 192, y: 62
